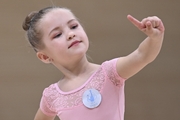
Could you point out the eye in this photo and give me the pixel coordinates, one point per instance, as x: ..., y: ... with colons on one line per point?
x: 58, y: 35
x: 74, y: 26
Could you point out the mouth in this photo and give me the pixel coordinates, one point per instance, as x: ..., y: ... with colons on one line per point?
x: 74, y: 43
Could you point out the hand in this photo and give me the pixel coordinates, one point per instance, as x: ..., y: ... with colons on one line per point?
x: 151, y: 26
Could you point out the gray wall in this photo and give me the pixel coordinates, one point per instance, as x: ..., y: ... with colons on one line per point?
x: 152, y: 94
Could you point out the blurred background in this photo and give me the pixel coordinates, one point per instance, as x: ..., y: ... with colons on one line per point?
x: 152, y: 94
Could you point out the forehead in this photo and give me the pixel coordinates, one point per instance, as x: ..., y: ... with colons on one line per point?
x: 59, y: 14
x: 55, y: 17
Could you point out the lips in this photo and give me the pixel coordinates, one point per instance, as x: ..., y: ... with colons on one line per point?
x: 73, y: 43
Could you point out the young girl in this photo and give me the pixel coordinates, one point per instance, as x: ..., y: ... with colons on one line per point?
x: 87, y: 91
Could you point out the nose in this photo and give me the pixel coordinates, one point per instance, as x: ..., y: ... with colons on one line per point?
x: 71, y: 35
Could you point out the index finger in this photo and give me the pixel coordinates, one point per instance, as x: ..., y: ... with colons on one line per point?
x: 135, y: 22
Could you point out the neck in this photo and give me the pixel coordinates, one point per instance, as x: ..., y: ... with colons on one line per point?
x: 77, y: 68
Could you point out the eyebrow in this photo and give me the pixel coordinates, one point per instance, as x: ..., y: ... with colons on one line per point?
x: 56, y: 28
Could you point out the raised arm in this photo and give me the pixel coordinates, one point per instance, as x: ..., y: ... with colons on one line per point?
x: 147, y: 51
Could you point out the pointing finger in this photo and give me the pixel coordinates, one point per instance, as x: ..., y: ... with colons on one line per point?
x: 135, y: 22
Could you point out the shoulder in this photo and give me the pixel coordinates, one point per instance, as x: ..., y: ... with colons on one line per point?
x: 49, y: 91
x: 110, y: 64
x: 51, y: 87
x: 50, y: 94
x: 110, y: 69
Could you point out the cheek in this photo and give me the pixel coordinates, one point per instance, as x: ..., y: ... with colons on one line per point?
x: 86, y: 40
x: 55, y: 46
x: 84, y: 35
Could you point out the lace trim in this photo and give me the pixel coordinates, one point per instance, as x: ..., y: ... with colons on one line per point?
x: 57, y: 101
x: 67, y: 101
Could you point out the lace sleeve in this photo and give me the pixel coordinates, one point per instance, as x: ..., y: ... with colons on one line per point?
x: 45, y: 105
x: 111, y: 72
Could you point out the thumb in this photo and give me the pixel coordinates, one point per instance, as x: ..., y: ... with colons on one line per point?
x: 148, y: 27
x: 149, y: 30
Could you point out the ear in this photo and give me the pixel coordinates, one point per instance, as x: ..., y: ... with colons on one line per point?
x: 43, y: 57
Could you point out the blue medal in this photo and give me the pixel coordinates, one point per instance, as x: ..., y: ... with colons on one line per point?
x: 91, y: 98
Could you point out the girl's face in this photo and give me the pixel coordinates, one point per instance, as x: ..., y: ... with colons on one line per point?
x: 63, y: 36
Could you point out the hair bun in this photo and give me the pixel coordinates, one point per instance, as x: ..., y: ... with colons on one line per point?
x: 27, y: 21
